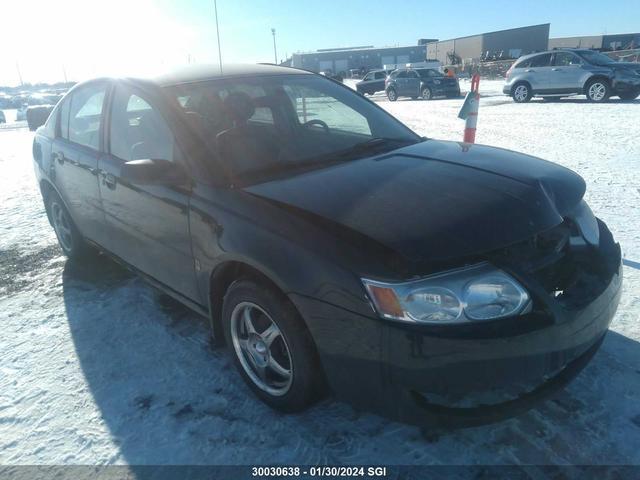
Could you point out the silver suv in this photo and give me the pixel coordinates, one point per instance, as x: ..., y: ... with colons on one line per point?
x: 560, y: 73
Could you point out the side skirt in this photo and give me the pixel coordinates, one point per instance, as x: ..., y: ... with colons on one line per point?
x: 196, y: 307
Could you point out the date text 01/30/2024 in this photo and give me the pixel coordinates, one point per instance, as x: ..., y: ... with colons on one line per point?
x: 322, y: 471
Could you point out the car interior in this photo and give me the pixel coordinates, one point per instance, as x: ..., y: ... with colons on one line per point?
x: 260, y: 128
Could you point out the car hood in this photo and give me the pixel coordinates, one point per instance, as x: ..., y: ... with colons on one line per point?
x: 435, y: 200
x: 626, y: 66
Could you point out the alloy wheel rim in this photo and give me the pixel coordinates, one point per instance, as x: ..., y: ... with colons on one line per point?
x: 261, y: 348
x: 521, y: 92
x: 597, y: 91
x: 62, y: 226
x: 426, y: 94
x: 392, y: 95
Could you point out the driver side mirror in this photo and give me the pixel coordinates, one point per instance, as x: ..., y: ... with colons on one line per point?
x: 153, y: 172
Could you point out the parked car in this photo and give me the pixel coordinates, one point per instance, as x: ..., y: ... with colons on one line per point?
x: 420, y: 82
x: 372, y: 82
x: 330, y: 246
x: 37, y: 115
x: 560, y: 73
x: 3, y: 119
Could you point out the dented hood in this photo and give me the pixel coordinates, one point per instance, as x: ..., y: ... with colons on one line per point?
x: 435, y: 200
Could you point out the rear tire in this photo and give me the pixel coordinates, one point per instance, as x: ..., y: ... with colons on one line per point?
x: 521, y: 92
x: 392, y: 95
x: 71, y: 242
x: 281, y: 367
x: 597, y: 90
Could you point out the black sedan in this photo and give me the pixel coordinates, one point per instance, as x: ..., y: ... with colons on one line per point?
x: 331, y: 248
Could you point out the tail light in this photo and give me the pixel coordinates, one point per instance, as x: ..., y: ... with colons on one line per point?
x: 506, y: 75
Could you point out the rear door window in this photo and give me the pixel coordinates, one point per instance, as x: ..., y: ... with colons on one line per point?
x: 543, y: 60
x: 138, y: 131
x: 85, y: 116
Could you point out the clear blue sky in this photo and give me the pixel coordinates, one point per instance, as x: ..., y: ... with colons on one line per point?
x: 94, y: 37
x: 309, y: 25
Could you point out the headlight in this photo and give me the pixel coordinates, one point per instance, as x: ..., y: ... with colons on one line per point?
x: 476, y: 293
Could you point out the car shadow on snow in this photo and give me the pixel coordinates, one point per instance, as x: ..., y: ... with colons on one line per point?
x: 168, y: 397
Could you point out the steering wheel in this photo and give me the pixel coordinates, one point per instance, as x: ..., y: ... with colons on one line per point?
x: 324, y: 126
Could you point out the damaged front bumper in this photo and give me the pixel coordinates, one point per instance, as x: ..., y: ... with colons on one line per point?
x: 476, y: 373
x: 481, y: 373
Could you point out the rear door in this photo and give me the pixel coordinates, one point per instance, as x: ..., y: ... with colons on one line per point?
x: 401, y: 82
x: 75, y: 152
x: 566, y: 73
x: 413, y: 84
x: 148, y: 224
x: 538, y: 72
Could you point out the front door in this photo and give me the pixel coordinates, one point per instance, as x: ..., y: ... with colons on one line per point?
x: 148, y: 224
x: 566, y: 73
x: 75, y: 153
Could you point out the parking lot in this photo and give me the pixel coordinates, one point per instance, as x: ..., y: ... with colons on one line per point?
x: 96, y: 367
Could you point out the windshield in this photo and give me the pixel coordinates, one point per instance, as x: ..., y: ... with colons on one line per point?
x: 258, y: 126
x: 596, y: 58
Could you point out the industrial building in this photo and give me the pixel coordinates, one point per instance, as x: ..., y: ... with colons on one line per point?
x: 625, y: 41
x: 367, y: 58
x: 509, y: 43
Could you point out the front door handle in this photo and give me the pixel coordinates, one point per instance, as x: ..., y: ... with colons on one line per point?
x: 528, y: 70
x: 556, y: 70
x: 109, y: 180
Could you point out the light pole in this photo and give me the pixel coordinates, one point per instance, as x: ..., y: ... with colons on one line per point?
x: 275, y: 52
x: 215, y: 8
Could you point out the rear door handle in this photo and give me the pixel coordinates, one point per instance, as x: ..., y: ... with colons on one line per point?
x: 528, y: 70
x: 556, y: 70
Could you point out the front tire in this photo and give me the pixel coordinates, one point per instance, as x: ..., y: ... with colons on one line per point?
x: 598, y: 90
x: 426, y: 93
x: 521, y: 92
x: 271, y: 347
x: 392, y: 95
x: 71, y: 242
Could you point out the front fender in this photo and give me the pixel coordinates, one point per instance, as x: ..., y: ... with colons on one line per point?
x: 296, y: 256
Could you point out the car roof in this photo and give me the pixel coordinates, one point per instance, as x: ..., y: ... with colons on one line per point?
x: 555, y: 50
x: 199, y: 73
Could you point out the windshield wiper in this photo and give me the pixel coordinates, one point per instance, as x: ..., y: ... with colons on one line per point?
x: 369, y: 146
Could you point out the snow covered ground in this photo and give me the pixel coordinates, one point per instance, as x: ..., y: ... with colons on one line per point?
x: 96, y: 367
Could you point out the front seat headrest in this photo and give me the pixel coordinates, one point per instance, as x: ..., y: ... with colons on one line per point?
x: 239, y: 107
